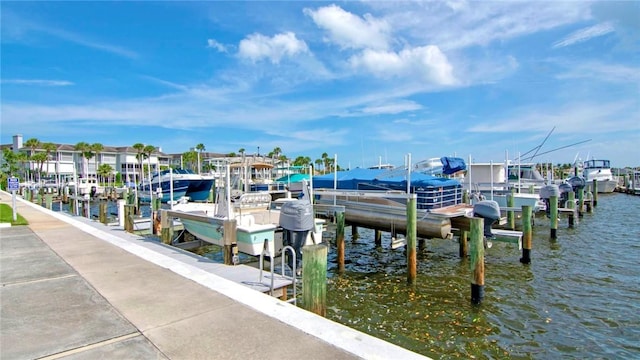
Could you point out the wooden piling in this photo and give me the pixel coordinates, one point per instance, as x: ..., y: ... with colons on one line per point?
x: 166, y: 227
x: 411, y: 235
x: 354, y: 232
x: 580, y: 202
x: 229, y: 237
x: 527, y: 235
x: 594, y: 200
x: 571, y: 204
x: 340, y: 239
x: 553, y: 215
x: 48, y: 200
x: 129, y: 210
x: 377, y: 234
x: 103, y: 211
x: 465, y: 197
x: 314, y: 278
x: 464, y: 244
x: 511, y: 215
x: 477, y: 259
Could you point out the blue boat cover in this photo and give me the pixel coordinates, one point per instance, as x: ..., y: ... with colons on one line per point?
x: 371, y: 179
x: 451, y: 165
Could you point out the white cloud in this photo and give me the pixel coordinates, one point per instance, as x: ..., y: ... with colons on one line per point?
x: 211, y: 43
x: 349, y: 30
x: 257, y: 46
x: 392, y: 108
x: 37, y: 82
x: 428, y: 62
x: 585, y: 34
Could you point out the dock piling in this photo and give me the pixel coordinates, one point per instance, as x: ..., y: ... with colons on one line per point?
x: 340, y: 239
x: 166, y: 227
x: 594, y: 200
x: 511, y: 218
x: 314, y: 283
x: 477, y: 260
x: 553, y: 215
x: 527, y: 234
x: 229, y: 235
x: 463, y: 244
x: 412, y: 257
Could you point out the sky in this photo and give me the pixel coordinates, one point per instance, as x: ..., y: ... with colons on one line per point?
x: 369, y: 82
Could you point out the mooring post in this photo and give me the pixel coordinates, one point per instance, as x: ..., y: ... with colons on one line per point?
x: 314, y: 278
x: 157, y: 204
x: 340, y: 239
x: 553, y: 214
x: 580, y: 202
x: 229, y: 237
x: 594, y: 200
x: 166, y: 227
x: 72, y: 206
x: 465, y: 197
x: 129, y: 210
x: 103, y: 211
x: 121, y: 204
x: 48, y: 200
x: 354, y: 232
x: 477, y: 259
x: 463, y: 243
x: 377, y: 236
x: 411, y: 235
x: 571, y: 204
x: 527, y: 234
x: 511, y: 215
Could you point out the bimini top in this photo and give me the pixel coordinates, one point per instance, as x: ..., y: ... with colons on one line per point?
x: 370, y: 179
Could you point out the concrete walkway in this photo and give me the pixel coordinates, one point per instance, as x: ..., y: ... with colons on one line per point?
x: 76, y: 289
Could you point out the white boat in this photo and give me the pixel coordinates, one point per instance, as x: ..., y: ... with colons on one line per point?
x: 85, y: 186
x: 257, y: 221
x: 599, y: 170
x: 163, y: 184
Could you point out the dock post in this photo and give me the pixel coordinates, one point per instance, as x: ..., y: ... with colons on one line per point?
x: 340, y: 239
x: 594, y: 201
x: 553, y: 213
x: 103, y: 211
x: 377, y: 234
x: 48, y: 200
x: 157, y: 204
x: 465, y: 197
x: 166, y: 227
x: 229, y: 236
x: 477, y: 260
x: 412, y: 257
x: 527, y: 234
x: 571, y: 204
x: 129, y: 210
x: 580, y: 202
x: 314, y: 278
x: 72, y: 206
x: 464, y: 244
x: 354, y: 232
x: 121, y: 212
x: 511, y: 215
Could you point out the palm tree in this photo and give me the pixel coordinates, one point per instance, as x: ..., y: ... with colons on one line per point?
x: 319, y: 162
x: 140, y: 153
x: 190, y: 157
x: 39, y: 158
x: 82, y: 148
x: 9, y: 165
x: 105, y: 170
x: 49, y: 147
x: 325, y: 162
x: 200, y: 148
x: 32, y: 144
x: 148, y: 149
x: 97, y: 149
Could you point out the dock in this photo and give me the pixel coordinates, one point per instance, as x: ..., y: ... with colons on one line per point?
x: 73, y: 287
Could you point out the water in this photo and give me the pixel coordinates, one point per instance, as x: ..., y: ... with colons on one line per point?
x: 579, y: 298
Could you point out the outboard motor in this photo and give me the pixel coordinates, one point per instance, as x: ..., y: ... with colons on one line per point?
x: 546, y: 192
x: 489, y: 210
x: 296, y: 219
x: 94, y: 190
x: 564, y: 189
x: 576, y: 182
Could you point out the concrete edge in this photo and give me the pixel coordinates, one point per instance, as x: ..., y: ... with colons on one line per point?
x: 341, y: 336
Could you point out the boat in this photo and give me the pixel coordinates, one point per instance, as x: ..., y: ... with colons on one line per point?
x: 488, y: 181
x: 258, y: 221
x: 163, y: 185
x: 600, y: 171
x: 85, y: 186
x: 199, y: 186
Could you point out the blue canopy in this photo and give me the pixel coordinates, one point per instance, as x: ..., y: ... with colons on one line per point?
x: 360, y: 179
x: 451, y: 165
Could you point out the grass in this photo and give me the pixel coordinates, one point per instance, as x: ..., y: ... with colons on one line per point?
x: 6, y: 216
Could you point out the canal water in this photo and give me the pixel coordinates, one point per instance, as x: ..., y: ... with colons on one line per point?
x: 579, y: 298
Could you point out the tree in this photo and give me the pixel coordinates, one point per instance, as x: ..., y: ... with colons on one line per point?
x: 10, y: 164
x: 200, y: 148
x: 325, y: 162
x: 39, y: 158
x: 49, y: 147
x: 190, y: 158
x: 148, y: 150
x: 140, y: 153
x: 97, y: 149
x: 32, y: 144
x: 105, y: 171
x: 82, y: 148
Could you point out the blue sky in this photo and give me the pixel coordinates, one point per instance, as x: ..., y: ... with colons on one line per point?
x: 369, y: 81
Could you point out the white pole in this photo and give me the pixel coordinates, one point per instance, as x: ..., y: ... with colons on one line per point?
x: 151, y: 186
x: 335, y: 176
x: 171, y: 187
x: 227, y: 181
x: 408, y: 174
x: 491, y: 167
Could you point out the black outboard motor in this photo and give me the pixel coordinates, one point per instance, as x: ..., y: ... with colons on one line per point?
x: 94, y: 191
x: 546, y: 192
x: 576, y: 182
x: 565, y: 189
x: 296, y: 219
x: 489, y: 210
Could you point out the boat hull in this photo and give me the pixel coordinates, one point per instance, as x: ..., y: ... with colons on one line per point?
x: 604, y: 186
x: 199, y: 190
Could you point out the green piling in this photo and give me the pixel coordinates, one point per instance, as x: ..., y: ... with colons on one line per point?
x: 553, y: 214
x: 477, y: 259
x: 314, y: 278
x: 411, y: 235
x: 527, y: 235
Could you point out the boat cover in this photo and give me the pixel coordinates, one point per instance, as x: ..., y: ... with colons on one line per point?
x: 451, y: 165
x: 372, y: 179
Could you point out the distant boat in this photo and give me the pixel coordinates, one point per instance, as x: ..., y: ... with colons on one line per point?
x: 161, y: 185
x: 199, y: 186
x: 599, y: 170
